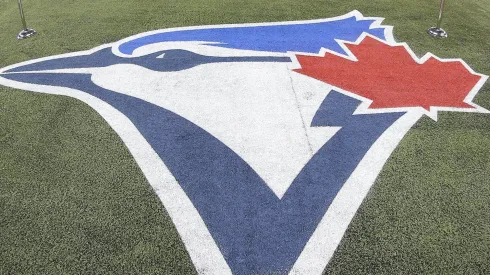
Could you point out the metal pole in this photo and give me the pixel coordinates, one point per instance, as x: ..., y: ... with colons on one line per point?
x: 441, y: 9
x: 22, y: 15
x: 26, y: 32
x: 438, y: 31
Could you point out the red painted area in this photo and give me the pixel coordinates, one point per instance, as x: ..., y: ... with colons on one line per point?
x: 390, y: 77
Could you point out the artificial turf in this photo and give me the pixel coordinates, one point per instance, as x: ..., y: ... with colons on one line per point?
x: 72, y: 199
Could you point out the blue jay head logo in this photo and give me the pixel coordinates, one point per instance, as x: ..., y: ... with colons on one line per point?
x: 260, y: 167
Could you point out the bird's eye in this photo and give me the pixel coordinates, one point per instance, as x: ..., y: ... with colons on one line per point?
x: 161, y: 56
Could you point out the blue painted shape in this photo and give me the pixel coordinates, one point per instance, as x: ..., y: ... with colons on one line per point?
x: 173, y: 60
x: 306, y: 37
x: 255, y: 231
x: 332, y: 114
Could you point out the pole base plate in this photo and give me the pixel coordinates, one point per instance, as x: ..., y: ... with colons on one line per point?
x: 437, y: 32
x: 26, y: 34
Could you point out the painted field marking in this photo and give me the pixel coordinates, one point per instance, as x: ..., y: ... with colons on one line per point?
x: 259, y: 139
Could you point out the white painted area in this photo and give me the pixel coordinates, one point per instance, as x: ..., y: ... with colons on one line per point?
x: 310, y: 93
x: 199, y: 243
x: 201, y: 47
x: 250, y: 107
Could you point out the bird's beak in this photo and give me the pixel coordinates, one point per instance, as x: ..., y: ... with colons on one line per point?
x: 99, y: 58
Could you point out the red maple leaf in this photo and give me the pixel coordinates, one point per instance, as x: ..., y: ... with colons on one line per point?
x: 391, y: 78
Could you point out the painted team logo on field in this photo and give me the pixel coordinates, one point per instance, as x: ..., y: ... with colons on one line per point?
x: 261, y: 140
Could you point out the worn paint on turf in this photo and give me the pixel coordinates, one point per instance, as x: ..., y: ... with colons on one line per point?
x: 261, y: 140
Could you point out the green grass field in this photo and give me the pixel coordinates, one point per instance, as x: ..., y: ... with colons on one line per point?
x: 72, y: 199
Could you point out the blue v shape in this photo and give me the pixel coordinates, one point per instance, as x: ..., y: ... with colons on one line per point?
x: 255, y: 230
